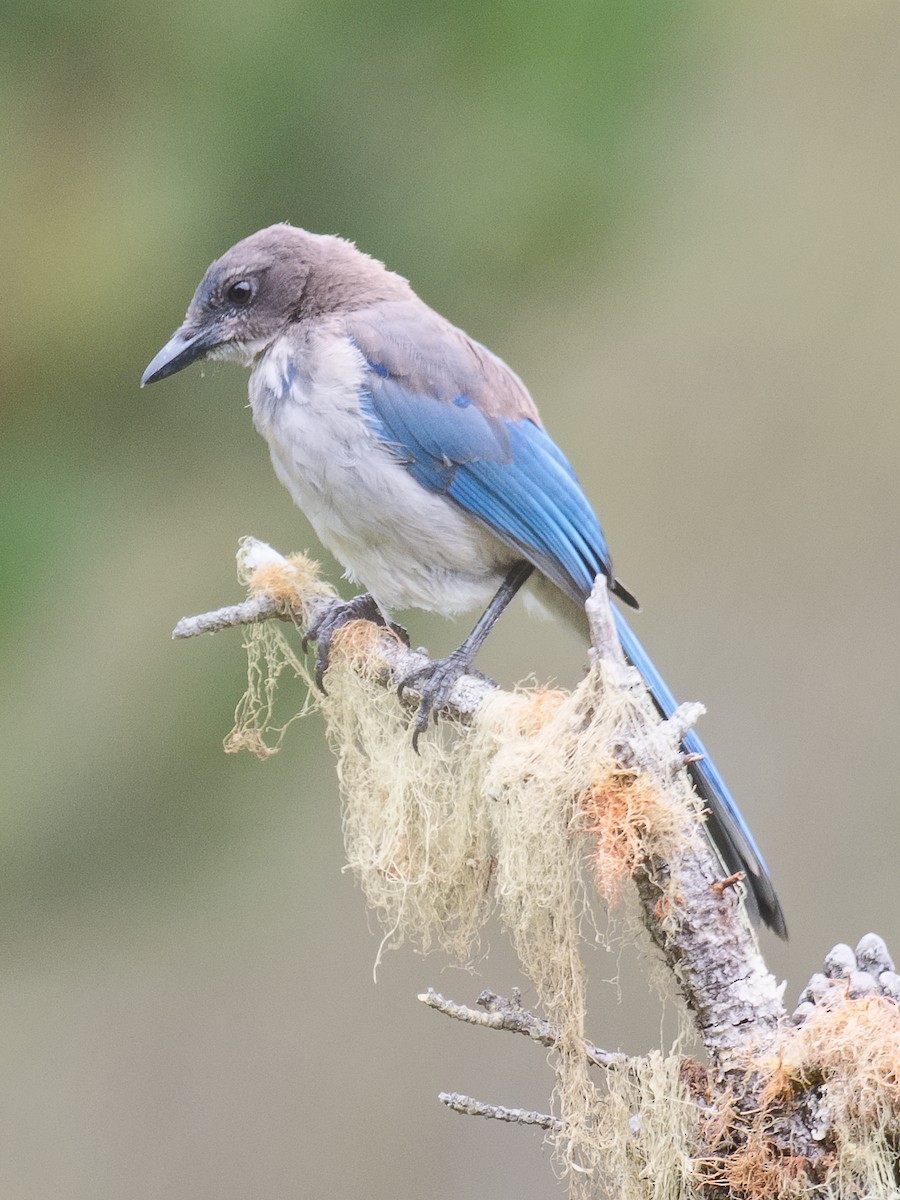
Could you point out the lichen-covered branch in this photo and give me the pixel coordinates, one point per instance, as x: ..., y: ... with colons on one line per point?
x: 500, y: 812
x: 299, y: 598
x: 709, y: 947
x: 706, y: 941
x: 816, y: 1115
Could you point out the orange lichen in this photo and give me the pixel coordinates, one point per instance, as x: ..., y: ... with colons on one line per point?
x: 853, y: 1048
x: 846, y: 1054
x: 353, y: 643
x: 758, y: 1172
x: 540, y: 706
x: 621, y: 812
x: 287, y: 580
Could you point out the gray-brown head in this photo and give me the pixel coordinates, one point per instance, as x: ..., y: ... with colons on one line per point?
x: 263, y: 284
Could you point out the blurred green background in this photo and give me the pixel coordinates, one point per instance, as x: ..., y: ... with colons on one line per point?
x: 679, y: 222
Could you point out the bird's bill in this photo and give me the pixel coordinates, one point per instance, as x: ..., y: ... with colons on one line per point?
x: 182, y: 348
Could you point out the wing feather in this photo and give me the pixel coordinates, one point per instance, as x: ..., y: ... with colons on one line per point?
x: 464, y: 425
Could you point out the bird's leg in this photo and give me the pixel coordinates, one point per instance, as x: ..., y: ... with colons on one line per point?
x: 341, y: 612
x: 435, y: 680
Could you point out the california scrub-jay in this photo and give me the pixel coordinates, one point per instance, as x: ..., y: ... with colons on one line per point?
x: 421, y: 462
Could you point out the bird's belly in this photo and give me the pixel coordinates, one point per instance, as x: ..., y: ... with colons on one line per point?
x: 408, y: 547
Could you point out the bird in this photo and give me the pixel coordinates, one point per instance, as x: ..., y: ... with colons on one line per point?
x: 421, y: 462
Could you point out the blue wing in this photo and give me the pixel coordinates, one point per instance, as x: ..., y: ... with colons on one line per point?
x: 501, y: 467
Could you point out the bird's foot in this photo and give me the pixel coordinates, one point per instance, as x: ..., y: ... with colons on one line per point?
x: 434, y: 681
x: 335, y: 617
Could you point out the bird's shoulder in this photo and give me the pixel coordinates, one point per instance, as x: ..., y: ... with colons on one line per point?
x: 409, y: 343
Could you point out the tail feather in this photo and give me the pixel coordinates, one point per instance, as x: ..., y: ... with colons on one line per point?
x: 725, y: 826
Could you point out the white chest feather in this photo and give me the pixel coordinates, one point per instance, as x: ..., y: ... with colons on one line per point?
x: 407, y: 546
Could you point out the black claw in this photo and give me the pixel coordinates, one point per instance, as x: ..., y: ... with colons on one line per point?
x: 434, y: 682
x: 399, y: 632
x: 321, y: 668
x: 420, y: 723
x: 335, y: 616
x: 415, y: 741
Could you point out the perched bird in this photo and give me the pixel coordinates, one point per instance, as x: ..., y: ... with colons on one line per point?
x: 421, y: 462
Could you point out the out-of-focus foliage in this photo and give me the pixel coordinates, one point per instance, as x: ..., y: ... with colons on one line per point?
x: 678, y: 222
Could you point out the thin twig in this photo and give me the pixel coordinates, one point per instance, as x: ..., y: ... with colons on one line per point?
x: 250, y: 612
x: 501, y: 1013
x: 720, y: 885
x: 471, y: 1107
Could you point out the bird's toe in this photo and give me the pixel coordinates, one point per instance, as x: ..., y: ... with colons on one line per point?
x: 434, y: 681
x: 335, y: 616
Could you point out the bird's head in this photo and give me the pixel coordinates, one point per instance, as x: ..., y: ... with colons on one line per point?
x: 270, y: 280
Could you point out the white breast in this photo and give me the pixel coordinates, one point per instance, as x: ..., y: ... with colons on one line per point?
x: 406, y: 546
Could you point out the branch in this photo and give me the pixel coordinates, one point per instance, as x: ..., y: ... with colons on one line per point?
x: 708, y: 945
x: 501, y: 1013
x: 250, y: 612
x: 394, y: 662
x: 818, y: 1116
x: 783, y: 1100
x: 470, y: 1107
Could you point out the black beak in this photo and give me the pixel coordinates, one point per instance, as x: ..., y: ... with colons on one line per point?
x: 180, y: 351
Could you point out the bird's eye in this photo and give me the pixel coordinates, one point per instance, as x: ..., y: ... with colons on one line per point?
x: 240, y: 293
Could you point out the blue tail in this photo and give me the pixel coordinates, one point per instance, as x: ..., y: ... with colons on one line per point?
x: 725, y: 826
